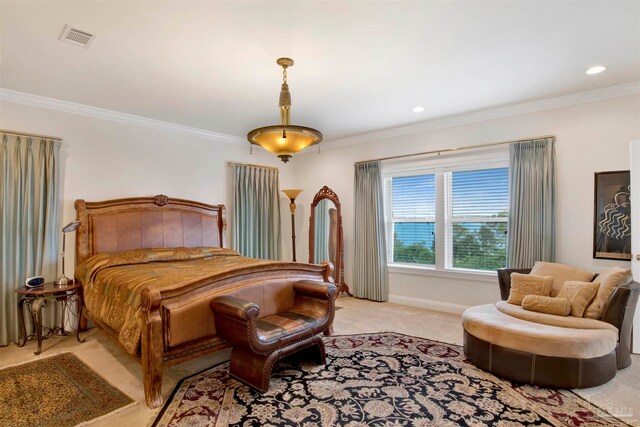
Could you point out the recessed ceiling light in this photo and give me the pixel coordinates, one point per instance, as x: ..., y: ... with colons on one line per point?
x: 596, y: 69
x: 418, y: 109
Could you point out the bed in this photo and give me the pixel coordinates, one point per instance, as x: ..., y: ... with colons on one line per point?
x: 171, y: 255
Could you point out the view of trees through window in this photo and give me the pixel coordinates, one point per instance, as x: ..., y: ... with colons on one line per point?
x: 478, y: 246
x: 421, y: 252
x: 476, y: 231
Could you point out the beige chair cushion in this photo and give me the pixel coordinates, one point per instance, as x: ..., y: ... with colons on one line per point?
x: 552, y: 319
x: 487, y: 323
x: 528, y: 284
x: 609, y: 280
x: 560, y: 273
x: 548, y: 305
x: 579, y: 294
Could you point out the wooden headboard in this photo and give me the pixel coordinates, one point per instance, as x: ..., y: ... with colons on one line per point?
x: 147, y: 222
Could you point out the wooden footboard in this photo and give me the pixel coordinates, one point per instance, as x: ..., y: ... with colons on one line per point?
x: 156, y: 350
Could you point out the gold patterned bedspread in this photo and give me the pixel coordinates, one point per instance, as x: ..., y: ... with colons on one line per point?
x: 113, y: 283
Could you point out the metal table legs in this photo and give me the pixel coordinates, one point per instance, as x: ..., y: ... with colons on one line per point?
x: 34, y: 305
x: 78, y: 300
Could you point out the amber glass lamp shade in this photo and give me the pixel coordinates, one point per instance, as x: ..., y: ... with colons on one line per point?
x: 283, y: 141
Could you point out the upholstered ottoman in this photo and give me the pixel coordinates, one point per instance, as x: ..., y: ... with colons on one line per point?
x: 259, y: 342
x: 537, y: 348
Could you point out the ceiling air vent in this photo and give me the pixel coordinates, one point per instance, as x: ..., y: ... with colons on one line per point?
x: 76, y: 37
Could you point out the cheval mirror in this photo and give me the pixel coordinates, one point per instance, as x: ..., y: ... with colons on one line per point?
x: 326, y: 242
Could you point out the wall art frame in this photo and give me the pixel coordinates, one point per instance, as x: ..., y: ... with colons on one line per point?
x: 612, y: 215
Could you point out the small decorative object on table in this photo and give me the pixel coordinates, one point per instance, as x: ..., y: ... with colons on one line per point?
x: 34, y: 282
x: 36, y: 298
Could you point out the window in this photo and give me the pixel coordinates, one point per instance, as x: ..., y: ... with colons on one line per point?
x: 448, y: 216
x: 414, y: 219
x: 476, y: 218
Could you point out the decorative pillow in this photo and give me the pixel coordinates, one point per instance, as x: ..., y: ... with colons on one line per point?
x: 560, y: 273
x: 528, y: 284
x: 609, y: 280
x: 548, y: 305
x: 579, y: 294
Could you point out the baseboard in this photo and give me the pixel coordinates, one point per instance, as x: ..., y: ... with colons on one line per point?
x: 447, y: 307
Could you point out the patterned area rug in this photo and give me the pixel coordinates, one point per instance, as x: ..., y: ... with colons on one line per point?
x: 384, y: 379
x: 55, y: 391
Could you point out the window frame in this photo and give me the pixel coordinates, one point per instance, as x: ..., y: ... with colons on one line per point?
x: 440, y: 167
x: 390, y: 220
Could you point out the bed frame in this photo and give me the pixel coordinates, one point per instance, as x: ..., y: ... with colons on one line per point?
x: 144, y: 222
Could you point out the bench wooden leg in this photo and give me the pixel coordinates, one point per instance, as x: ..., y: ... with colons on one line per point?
x: 321, y: 354
x: 255, y: 369
x: 252, y: 368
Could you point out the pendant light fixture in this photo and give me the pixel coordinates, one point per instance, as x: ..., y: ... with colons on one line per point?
x: 284, y: 139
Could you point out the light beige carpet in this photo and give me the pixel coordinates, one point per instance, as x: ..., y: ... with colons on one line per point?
x: 358, y: 316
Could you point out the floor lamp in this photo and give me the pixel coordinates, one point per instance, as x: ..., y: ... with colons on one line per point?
x: 292, y: 194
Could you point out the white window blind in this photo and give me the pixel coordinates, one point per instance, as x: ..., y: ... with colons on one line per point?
x: 477, y: 205
x: 468, y: 197
x: 411, y: 216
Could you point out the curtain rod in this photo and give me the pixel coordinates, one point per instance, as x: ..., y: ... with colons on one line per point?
x: 250, y: 164
x: 33, y: 135
x: 445, y: 150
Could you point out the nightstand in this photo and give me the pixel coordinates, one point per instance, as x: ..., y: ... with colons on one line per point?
x: 36, y: 298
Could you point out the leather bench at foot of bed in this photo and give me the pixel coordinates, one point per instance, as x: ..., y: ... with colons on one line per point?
x: 260, y: 342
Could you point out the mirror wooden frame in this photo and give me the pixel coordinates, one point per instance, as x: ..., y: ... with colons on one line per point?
x: 328, y: 194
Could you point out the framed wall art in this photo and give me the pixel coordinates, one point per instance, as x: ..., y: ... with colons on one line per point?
x: 612, y: 216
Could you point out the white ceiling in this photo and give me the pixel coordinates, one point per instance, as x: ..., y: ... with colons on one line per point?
x: 360, y: 66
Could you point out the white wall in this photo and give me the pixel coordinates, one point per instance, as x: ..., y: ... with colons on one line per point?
x: 104, y: 159
x: 590, y: 137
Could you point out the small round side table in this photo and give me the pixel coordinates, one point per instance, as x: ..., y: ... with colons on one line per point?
x: 36, y: 298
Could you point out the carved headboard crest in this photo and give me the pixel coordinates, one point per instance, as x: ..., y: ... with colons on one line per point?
x: 161, y: 200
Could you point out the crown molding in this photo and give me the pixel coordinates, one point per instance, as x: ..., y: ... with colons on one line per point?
x: 584, y: 97
x: 114, y: 116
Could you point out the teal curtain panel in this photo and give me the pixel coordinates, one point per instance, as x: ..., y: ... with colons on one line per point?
x: 256, y: 212
x: 531, y: 232
x: 30, y: 220
x: 321, y: 232
x: 370, y: 276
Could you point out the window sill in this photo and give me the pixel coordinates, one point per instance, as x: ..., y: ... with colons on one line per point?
x: 471, y: 275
